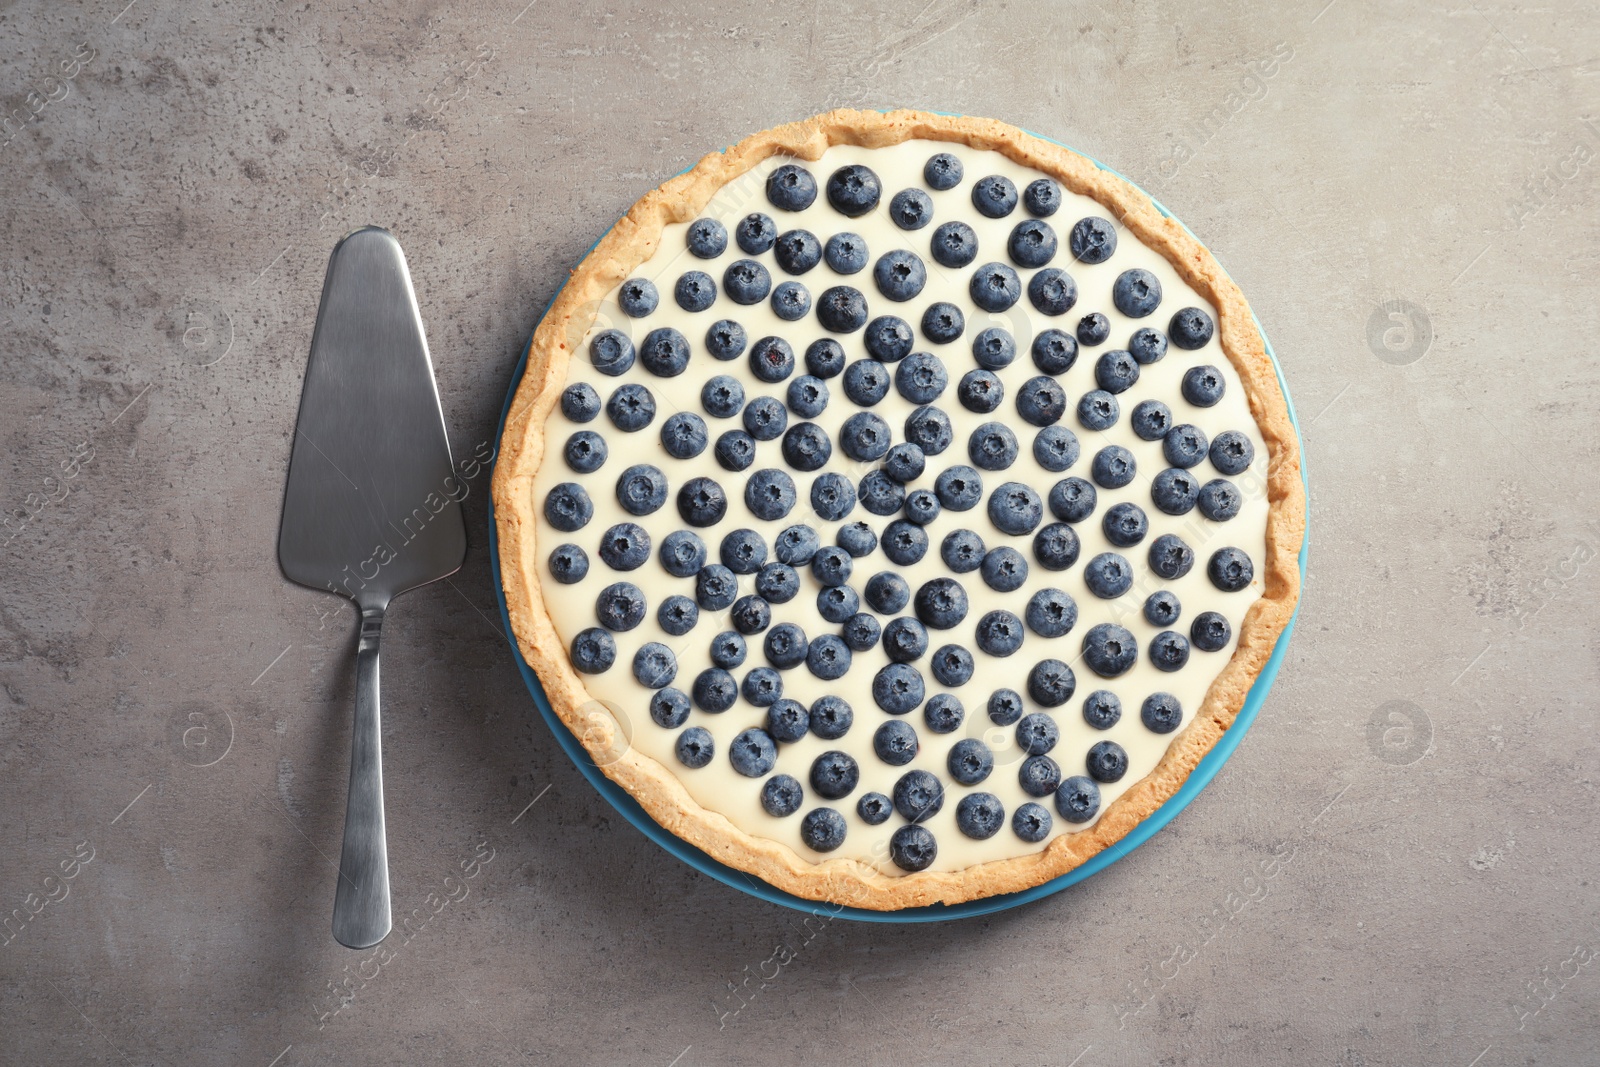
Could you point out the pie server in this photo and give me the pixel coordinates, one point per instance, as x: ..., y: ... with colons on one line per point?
x: 371, y: 510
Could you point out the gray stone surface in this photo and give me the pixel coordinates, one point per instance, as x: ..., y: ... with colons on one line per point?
x: 1407, y: 196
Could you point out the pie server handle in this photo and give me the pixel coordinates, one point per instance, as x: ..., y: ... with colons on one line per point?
x: 361, y: 905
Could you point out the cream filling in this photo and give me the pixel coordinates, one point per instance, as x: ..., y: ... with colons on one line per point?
x: 717, y: 787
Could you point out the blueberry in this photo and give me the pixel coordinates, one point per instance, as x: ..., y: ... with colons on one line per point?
x: 1136, y: 293
x: 585, y: 451
x: 887, y: 592
x: 941, y: 603
x: 1072, y: 500
x: 904, y: 462
x: 1052, y: 291
x: 1219, y: 500
x: 781, y: 795
x: 1042, y: 197
x: 897, y: 688
x: 684, y: 436
x: 911, y: 209
x: 900, y: 275
x: 1015, y: 509
x: 1051, y: 683
x: 1174, y: 491
x: 831, y: 566
x: 959, y: 488
x: 858, y: 539
x: 755, y: 233
x: 806, y: 446
x: 853, y: 190
x: 824, y: 358
x: 1210, y: 632
x: 1004, y: 570
x: 580, y: 403
x: 1078, y: 799
x: 746, y: 282
x: 1093, y: 329
x: 1054, y: 352
x: 861, y: 632
x: 994, y: 196
x: 1151, y: 420
x: 797, y: 251
x: 1108, y: 575
x: 830, y: 718
x: 866, y: 381
x: 1125, y: 524
x: 715, y: 587
x: 921, y: 377
x: 762, y: 688
x: 905, y: 640
x: 846, y: 253
x: 929, y: 429
x: 836, y: 603
x: 1102, y: 709
x: 722, y: 397
x: 999, y: 634
x: 1184, y: 445
x: 1169, y: 651
x: 771, y: 359
x: 980, y: 391
x: 875, y: 809
x: 735, y: 450
x: 952, y: 665
x: 918, y: 796
x: 1005, y: 707
x: 943, y: 323
x: 743, y: 551
x: 865, y: 437
x: 954, y: 245
x: 832, y: 496
x: 808, y: 396
x: 881, y: 494
x: 728, y: 650
x: 786, y: 646
x: 1109, y: 650
x: 1113, y: 467
x: 677, y: 615
x: 980, y: 815
x: 1116, y: 371
x: 707, y: 238
x: 642, y: 489
x: 995, y: 287
x: 823, y: 829
x: 842, y: 309
x: 888, y: 339
x: 1051, y: 613
x: 1230, y: 570
x: 777, y: 583
x: 1147, y: 345
x: 1093, y: 240
x: 1170, y: 558
x: 791, y: 188
x: 714, y: 691
x: 1162, y: 608
x: 1031, y: 823
x: 625, y: 546
x: 913, y: 848
x: 569, y: 564
x: 1041, y: 400
x: 1056, y: 547
x: 944, y: 714
x: 631, y: 408
x: 962, y: 551
x: 669, y: 709
x: 1191, y: 328
x: 1098, y: 410
x: 695, y: 290
x: 1039, y: 776
x: 1032, y: 243
x: 769, y: 494
x: 695, y: 747
x: 1232, y: 452
x: 834, y: 775
x: 992, y: 446
x: 725, y: 340
x: 1055, y: 448
x: 796, y: 545
x: 942, y: 171
x: 1202, y: 386
x: 593, y: 651
x: 638, y: 297
x: 1107, y: 761
x: 791, y: 302
x: 994, y: 348
x: 970, y: 761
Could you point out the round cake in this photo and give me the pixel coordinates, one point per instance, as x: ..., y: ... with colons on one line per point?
x: 898, y: 506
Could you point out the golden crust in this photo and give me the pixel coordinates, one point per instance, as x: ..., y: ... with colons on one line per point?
x: 631, y: 242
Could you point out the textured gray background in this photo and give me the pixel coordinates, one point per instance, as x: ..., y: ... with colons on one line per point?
x: 1396, y: 867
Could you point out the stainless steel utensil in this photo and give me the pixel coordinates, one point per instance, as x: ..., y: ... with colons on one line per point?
x: 371, y: 510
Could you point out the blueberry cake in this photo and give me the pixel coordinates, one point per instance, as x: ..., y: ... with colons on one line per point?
x: 898, y: 506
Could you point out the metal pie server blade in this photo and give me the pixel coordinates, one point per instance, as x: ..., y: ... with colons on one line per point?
x: 372, y: 509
